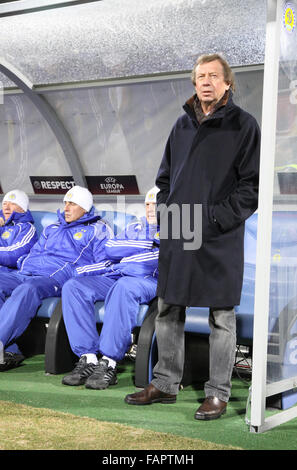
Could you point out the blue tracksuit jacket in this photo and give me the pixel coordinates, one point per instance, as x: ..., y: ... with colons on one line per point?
x: 64, y: 246
x: 17, y: 237
x: 134, y: 252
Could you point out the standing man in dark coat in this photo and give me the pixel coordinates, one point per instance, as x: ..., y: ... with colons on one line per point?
x: 211, y: 159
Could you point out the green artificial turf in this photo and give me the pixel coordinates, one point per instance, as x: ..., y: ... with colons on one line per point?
x: 29, y: 385
x: 25, y: 427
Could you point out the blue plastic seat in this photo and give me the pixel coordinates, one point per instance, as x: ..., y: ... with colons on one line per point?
x: 99, y: 313
x: 42, y: 219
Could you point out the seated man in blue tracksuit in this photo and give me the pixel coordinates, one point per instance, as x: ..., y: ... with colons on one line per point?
x: 128, y: 280
x: 17, y: 231
x: 76, y: 239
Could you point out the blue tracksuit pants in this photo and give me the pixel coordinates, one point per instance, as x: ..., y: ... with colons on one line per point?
x: 122, y: 299
x: 20, y: 297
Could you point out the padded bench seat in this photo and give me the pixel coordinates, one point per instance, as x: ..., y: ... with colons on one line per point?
x: 49, y: 305
x: 100, y: 311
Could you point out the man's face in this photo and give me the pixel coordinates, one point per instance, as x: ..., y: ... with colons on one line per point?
x: 150, y: 212
x: 210, y: 83
x: 9, y: 207
x: 73, y: 211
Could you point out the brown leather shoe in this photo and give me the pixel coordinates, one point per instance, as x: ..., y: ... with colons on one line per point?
x: 148, y: 396
x: 211, y: 408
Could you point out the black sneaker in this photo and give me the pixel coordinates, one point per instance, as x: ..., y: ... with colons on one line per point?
x: 102, y: 377
x: 131, y: 353
x: 80, y: 373
x: 11, y: 360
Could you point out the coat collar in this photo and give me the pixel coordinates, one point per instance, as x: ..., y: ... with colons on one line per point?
x: 17, y: 217
x: 87, y: 218
x: 222, y: 108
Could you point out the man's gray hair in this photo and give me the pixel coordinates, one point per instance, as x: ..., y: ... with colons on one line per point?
x: 228, y: 74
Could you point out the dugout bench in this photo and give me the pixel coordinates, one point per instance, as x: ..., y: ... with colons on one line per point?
x: 47, y: 334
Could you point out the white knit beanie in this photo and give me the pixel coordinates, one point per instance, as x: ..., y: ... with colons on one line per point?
x: 80, y: 196
x: 151, y: 195
x: 17, y: 197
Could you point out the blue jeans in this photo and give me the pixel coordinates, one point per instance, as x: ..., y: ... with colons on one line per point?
x: 169, y: 328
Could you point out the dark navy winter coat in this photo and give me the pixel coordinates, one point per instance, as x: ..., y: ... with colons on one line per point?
x: 215, y: 164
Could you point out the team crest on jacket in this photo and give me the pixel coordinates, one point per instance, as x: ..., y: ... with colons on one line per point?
x: 5, y: 235
x: 78, y: 236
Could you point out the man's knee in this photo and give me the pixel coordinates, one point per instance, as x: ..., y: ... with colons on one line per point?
x: 125, y: 287
x: 170, y: 312
x: 82, y: 290
x: 25, y: 288
x: 223, y: 319
x: 35, y: 288
x: 71, y: 286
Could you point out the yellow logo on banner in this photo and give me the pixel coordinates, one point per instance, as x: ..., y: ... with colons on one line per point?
x: 276, y: 257
x: 289, y: 18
